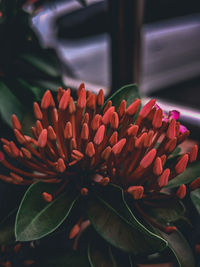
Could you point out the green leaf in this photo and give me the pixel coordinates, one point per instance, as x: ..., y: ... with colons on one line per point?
x: 190, y: 174
x: 72, y: 259
x: 9, y: 104
x: 7, y: 229
x: 50, y: 84
x: 37, y: 218
x: 101, y: 254
x: 128, y: 92
x: 169, y: 210
x: 37, y: 92
x: 195, y: 197
x: 176, y: 152
x: 114, y: 221
x: 180, y: 248
x: 42, y: 64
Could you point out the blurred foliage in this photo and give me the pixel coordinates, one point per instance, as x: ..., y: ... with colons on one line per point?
x: 26, y: 68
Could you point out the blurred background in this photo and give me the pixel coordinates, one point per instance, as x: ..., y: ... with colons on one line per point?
x: 108, y: 44
x: 105, y: 44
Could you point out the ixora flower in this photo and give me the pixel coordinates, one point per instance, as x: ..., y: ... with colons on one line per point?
x: 17, y: 260
x: 90, y: 154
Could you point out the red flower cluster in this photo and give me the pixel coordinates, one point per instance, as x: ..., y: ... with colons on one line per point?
x: 79, y: 142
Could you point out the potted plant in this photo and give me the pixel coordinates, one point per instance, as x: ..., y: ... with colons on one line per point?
x: 106, y: 184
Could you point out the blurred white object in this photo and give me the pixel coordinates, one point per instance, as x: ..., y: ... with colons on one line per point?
x: 170, y: 53
x: 88, y: 58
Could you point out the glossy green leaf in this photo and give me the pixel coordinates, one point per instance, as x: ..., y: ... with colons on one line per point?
x: 176, y: 152
x: 180, y: 248
x: 128, y: 92
x: 114, y: 221
x: 9, y: 104
x: 70, y: 259
x: 195, y: 197
x: 171, y: 255
x: 36, y: 218
x: 190, y: 174
x: 101, y: 254
x: 7, y: 229
x: 168, y: 210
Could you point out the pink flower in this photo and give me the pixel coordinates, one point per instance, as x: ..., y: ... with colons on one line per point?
x: 174, y: 114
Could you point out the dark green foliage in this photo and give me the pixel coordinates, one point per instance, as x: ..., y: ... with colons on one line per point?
x: 26, y: 68
x: 37, y: 218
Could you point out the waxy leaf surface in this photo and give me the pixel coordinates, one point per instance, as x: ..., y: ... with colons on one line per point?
x: 37, y: 218
x: 190, y: 174
x: 165, y: 210
x: 114, y: 221
x: 128, y: 92
x: 180, y: 248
